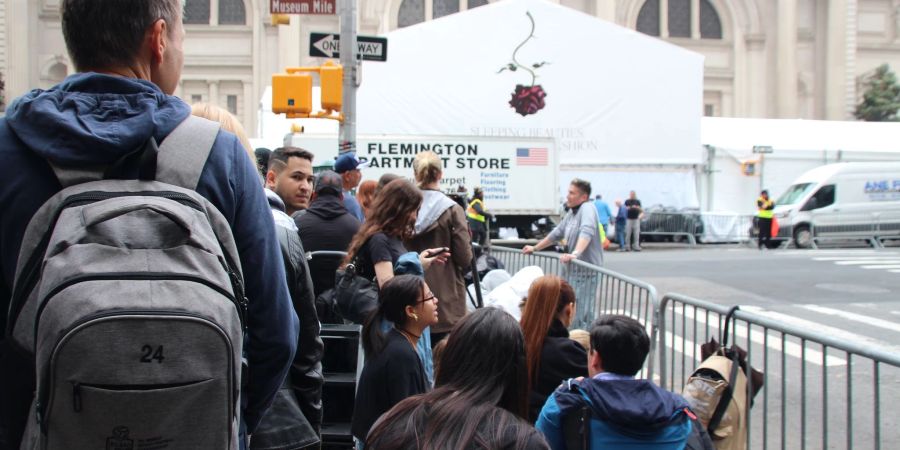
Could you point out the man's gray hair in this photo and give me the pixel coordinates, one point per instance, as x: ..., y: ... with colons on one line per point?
x: 105, y: 34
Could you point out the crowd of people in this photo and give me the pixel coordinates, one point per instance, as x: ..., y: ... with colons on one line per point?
x: 434, y: 376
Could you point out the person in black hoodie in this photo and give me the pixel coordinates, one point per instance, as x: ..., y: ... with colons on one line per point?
x: 551, y: 356
x: 326, y: 225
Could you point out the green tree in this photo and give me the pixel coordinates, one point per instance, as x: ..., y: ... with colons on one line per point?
x: 881, y: 98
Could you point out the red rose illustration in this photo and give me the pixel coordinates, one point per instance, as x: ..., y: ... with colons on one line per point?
x: 528, y: 99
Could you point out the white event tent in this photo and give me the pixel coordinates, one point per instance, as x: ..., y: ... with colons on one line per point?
x: 624, y: 107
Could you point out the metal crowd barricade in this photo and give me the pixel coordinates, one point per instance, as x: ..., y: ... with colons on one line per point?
x: 819, y: 391
x: 610, y: 292
x: 676, y: 224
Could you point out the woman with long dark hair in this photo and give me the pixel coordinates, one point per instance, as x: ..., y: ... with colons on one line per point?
x: 479, y: 398
x: 552, y: 355
x: 393, y: 370
x: 378, y: 244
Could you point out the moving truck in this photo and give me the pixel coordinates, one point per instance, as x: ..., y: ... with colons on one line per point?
x: 518, y: 175
x: 842, y: 201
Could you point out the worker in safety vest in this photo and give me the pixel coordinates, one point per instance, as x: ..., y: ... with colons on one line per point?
x: 764, y: 212
x: 476, y: 217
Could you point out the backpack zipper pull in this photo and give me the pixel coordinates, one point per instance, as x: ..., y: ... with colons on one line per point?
x: 76, y: 396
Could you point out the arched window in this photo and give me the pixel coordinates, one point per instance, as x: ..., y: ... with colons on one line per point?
x: 196, y: 12
x: 411, y: 13
x: 710, y: 26
x: 231, y: 12
x: 58, y: 72
x: 445, y: 7
x: 681, y: 19
x: 648, y: 18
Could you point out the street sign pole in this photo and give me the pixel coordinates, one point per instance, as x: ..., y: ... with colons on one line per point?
x: 349, y: 61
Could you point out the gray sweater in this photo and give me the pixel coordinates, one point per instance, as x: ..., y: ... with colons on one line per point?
x: 582, y: 223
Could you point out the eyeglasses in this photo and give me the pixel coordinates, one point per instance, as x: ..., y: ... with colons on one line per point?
x: 428, y: 299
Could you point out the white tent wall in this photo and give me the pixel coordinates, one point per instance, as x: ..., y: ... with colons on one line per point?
x: 669, y: 187
x: 613, y: 95
x: 798, y: 146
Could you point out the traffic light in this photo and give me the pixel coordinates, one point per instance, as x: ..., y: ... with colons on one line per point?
x: 331, y: 77
x: 292, y: 94
x: 292, y: 91
x: 281, y: 19
x: 748, y: 168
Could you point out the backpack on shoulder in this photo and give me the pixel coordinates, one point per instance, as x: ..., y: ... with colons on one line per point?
x: 717, y: 390
x: 129, y: 298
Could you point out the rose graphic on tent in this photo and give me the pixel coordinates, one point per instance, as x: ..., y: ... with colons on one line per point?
x: 526, y: 99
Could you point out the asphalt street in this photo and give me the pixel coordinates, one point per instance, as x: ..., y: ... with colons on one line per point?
x: 852, y: 293
x: 813, y: 398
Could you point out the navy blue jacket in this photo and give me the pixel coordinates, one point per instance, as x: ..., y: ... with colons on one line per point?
x: 94, y: 119
x: 625, y: 414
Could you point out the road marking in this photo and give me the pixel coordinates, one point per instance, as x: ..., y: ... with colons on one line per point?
x: 857, y: 259
x: 882, y: 266
x: 867, y: 261
x: 873, y: 321
x: 756, y: 336
x: 819, y: 328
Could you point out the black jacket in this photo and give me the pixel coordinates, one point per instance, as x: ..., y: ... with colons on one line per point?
x: 326, y: 225
x: 302, y: 390
x: 561, y: 359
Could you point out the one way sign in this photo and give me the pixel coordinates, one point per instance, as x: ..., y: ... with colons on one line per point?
x: 326, y: 45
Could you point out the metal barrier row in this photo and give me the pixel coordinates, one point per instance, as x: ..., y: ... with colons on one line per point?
x: 609, y: 292
x: 818, y: 391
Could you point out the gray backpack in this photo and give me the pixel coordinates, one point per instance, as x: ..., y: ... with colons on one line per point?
x: 129, y: 297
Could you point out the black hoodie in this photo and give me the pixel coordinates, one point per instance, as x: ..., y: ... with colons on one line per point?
x: 325, y: 225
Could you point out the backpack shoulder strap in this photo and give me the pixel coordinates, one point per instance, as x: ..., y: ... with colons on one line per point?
x: 725, y: 399
x: 183, y: 153
x: 576, y: 429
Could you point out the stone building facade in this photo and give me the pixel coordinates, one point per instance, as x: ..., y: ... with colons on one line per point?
x: 764, y: 58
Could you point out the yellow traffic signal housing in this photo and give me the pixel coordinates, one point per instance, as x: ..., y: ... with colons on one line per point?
x: 281, y: 19
x: 748, y: 168
x: 331, y: 77
x: 292, y: 94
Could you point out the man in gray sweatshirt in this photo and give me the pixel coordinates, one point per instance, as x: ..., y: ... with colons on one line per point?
x: 578, y: 231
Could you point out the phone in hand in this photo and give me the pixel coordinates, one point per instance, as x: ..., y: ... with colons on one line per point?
x: 437, y: 252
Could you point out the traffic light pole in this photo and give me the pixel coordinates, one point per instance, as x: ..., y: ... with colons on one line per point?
x: 349, y: 61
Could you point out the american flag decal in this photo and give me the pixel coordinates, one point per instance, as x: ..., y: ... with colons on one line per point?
x: 531, y: 156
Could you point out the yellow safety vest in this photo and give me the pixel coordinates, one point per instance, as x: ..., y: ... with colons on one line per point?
x: 764, y: 213
x: 472, y: 214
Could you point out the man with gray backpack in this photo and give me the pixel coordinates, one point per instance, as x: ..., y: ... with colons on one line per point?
x: 143, y: 295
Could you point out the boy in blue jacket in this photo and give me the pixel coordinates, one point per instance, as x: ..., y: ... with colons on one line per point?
x: 625, y: 413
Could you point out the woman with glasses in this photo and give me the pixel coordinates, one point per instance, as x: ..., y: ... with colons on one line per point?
x: 393, y: 370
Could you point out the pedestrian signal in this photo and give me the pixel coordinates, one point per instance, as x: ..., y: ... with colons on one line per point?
x: 292, y: 94
x: 331, y: 76
x: 748, y: 168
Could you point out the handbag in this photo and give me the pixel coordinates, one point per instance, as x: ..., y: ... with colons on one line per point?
x: 356, y: 296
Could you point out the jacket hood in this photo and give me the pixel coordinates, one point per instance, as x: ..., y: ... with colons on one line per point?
x: 275, y: 202
x: 327, y: 207
x: 434, y: 204
x: 636, y: 405
x: 94, y: 119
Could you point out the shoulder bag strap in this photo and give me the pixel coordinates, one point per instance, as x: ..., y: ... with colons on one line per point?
x: 184, y: 152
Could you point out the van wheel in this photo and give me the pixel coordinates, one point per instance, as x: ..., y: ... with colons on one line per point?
x: 803, y: 237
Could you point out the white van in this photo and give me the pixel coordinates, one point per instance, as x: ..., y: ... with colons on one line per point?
x: 842, y: 201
